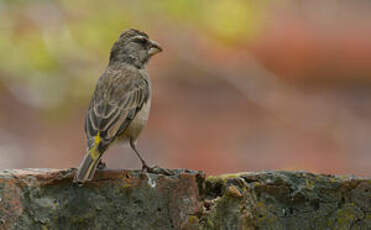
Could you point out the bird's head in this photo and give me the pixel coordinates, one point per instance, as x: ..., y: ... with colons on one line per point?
x: 134, y: 47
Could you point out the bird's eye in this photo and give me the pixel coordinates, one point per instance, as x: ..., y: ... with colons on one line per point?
x: 141, y: 41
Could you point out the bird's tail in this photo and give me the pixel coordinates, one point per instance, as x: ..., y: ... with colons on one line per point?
x: 88, y: 166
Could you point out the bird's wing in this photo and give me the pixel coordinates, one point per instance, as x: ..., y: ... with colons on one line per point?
x: 116, y: 100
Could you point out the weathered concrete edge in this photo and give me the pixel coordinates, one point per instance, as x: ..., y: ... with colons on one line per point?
x: 52, y: 174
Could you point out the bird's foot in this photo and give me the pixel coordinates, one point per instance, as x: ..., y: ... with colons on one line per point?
x: 146, y: 168
x: 156, y: 170
x: 101, y: 165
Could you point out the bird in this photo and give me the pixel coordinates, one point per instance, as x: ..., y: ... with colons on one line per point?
x: 120, y: 105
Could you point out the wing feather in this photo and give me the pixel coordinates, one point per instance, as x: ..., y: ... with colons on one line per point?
x: 115, y: 102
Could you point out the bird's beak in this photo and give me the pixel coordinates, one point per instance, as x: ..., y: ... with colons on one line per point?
x: 155, y: 48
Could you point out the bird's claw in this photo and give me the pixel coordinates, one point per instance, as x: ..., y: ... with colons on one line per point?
x: 146, y: 168
x: 156, y: 170
x: 101, y: 165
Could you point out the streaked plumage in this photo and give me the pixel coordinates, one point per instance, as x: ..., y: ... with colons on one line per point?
x: 120, y: 105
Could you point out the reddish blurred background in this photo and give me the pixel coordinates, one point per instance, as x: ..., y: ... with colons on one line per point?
x: 240, y: 86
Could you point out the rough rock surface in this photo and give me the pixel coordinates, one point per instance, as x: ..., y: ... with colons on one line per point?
x: 183, y: 199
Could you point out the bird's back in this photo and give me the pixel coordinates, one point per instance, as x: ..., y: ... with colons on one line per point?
x: 120, y: 94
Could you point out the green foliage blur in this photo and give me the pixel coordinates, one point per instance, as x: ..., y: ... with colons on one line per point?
x: 62, y: 43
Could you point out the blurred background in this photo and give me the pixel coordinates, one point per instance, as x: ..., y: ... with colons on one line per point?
x: 241, y: 85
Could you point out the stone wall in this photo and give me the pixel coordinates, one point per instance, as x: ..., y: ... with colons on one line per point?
x: 183, y: 199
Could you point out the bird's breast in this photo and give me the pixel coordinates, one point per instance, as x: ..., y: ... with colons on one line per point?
x: 139, y: 121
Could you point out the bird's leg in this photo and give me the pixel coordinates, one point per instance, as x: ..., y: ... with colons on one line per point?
x: 145, y: 167
x: 101, y: 165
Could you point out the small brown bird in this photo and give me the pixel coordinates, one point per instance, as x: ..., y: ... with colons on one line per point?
x: 120, y: 105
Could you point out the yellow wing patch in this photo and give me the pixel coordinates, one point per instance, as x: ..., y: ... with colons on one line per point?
x: 94, y: 150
